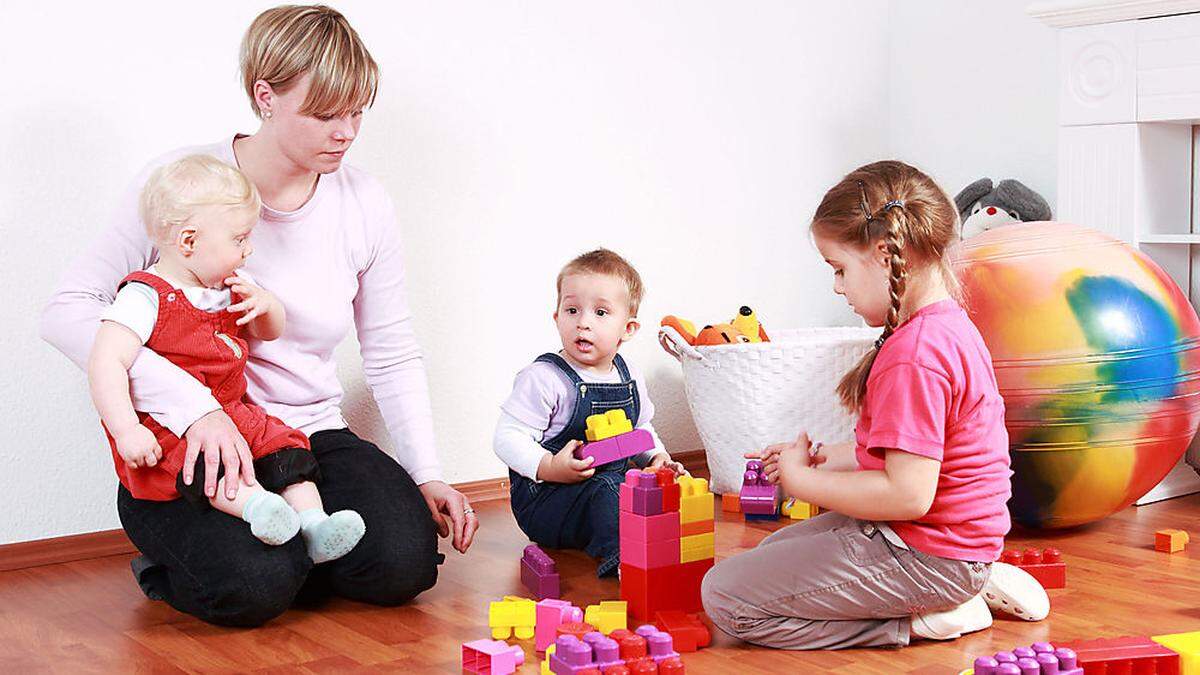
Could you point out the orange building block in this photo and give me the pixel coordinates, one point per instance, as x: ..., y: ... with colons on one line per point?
x: 730, y: 503
x: 1170, y: 541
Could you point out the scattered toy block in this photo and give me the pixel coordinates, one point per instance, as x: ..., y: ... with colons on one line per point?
x: 512, y: 616
x: 696, y: 501
x: 607, y: 425
x: 539, y: 573
x: 686, y: 630
x: 730, y: 503
x: 1046, y: 566
x: 758, y: 496
x: 798, y: 510
x: 550, y: 615
x: 1040, y: 658
x: 491, y: 657
x: 1130, y: 654
x: 696, y: 547
x: 607, y: 616
x: 1187, y: 645
x: 1170, y: 541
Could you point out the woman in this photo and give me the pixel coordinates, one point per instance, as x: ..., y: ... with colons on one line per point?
x: 327, y: 246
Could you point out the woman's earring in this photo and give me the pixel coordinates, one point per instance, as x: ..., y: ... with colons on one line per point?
x: 267, y: 113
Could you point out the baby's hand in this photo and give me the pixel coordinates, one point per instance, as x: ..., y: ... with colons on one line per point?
x: 564, y: 468
x: 663, y: 461
x: 255, y: 301
x: 138, y: 447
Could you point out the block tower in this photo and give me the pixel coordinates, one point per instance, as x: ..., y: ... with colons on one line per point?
x: 666, y: 542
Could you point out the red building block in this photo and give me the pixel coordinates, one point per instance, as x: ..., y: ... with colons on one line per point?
x: 671, y: 491
x: 1170, y: 541
x: 686, y: 630
x: 731, y: 503
x: 576, y: 628
x: 631, y: 646
x: 1125, y: 655
x: 1046, y: 566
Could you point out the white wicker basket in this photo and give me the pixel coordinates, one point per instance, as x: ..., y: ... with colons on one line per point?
x: 747, y: 396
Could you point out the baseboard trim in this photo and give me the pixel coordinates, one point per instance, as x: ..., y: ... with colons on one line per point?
x: 106, y: 543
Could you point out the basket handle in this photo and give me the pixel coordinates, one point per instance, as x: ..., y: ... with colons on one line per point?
x: 675, y: 345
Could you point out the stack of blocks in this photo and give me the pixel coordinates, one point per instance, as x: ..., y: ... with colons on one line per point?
x: 491, y: 657
x: 539, y: 573
x: 649, y: 650
x: 759, y: 499
x: 1040, y: 658
x: 611, y: 437
x: 666, y: 532
x: 1046, y: 566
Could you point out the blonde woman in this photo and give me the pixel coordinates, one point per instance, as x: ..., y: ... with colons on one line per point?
x: 327, y: 246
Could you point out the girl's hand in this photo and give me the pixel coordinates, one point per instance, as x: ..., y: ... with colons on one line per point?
x: 773, y: 455
x: 255, y: 302
x: 562, y: 466
x: 663, y: 461
x: 138, y: 447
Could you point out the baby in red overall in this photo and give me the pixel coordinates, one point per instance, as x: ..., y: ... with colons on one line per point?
x: 190, y: 308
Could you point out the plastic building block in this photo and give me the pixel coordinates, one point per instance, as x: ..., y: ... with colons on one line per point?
x: 607, y: 616
x: 660, y: 527
x: 606, y: 425
x: 1046, y: 566
x: 697, y: 527
x: 649, y: 591
x: 730, y: 503
x: 491, y: 657
x: 798, y: 510
x: 1125, y: 655
x: 696, y: 547
x: 573, y: 656
x: 686, y: 630
x: 671, y: 490
x: 650, y: 554
x: 1187, y: 645
x: 512, y: 616
x: 539, y: 573
x: 695, y: 501
x: 545, y: 668
x: 550, y: 615
x: 641, y: 494
x: 632, y: 645
x: 1040, y: 658
x: 758, y: 497
x: 616, y: 448
x: 576, y: 628
x: 659, y: 645
x: 1170, y: 541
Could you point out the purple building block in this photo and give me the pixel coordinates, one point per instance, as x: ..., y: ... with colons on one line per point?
x: 570, y: 656
x: 621, y: 446
x: 758, y: 497
x: 491, y: 657
x: 550, y: 615
x: 659, y: 645
x: 539, y: 573
x: 641, y: 494
x: 1040, y: 658
x: 605, y: 652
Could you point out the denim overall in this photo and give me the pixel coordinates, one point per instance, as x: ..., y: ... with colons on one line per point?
x: 579, y: 515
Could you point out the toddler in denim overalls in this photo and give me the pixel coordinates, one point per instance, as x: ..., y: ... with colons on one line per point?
x: 559, y: 501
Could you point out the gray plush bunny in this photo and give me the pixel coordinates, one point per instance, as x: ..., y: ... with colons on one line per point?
x: 981, y: 207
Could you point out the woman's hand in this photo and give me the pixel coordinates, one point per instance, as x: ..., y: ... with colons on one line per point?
x: 446, y: 502
x: 218, y: 438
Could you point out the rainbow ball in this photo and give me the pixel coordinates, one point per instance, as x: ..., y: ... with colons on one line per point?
x: 1097, y: 357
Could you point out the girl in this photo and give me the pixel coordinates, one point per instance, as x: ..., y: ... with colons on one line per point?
x: 917, y: 503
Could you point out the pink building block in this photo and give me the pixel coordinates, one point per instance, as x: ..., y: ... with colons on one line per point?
x: 539, y: 573
x: 621, y: 446
x: 491, y: 657
x: 641, y: 494
x: 649, y: 528
x: 650, y: 554
x: 550, y: 615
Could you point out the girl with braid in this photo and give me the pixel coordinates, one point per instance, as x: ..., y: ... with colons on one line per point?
x: 916, y: 504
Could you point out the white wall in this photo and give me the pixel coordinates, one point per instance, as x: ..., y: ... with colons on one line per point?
x: 695, y: 138
x: 973, y: 89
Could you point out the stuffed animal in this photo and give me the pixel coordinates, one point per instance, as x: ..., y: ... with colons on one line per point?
x: 982, y: 206
x: 743, y: 328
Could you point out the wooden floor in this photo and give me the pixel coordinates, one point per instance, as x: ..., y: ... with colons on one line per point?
x: 88, y: 616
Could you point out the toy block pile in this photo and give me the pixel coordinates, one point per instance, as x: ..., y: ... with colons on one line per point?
x: 646, y: 651
x: 759, y: 500
x: 1046, y: 566
x: 611, y: 437
x: 666, y: 532
x: 1040, y: 658
x: 1170, y: 541
x: 539, y: 573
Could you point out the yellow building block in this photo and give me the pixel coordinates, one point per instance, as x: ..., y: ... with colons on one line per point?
x: 513, y: 615
x: 607, y: 616
x: 612, y: 423
x: 1170, y: 541
x: 1187, y: 645
x: 695, y: 501
x: 696, y: 547
x: 546, y: 663
x: 798, y: 510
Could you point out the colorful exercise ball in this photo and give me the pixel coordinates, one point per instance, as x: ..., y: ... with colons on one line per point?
x: 1097, y: 354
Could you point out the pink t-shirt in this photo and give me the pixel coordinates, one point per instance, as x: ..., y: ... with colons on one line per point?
x: 932, y: 392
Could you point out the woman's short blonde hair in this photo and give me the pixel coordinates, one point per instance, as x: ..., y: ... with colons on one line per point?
x: 176, y: 191
x: 287, y: 42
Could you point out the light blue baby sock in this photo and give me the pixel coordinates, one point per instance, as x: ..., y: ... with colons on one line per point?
x: 329, y: 537
x: 272, y: 520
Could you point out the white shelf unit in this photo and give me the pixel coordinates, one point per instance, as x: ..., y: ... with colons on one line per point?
x: 1129, y: 144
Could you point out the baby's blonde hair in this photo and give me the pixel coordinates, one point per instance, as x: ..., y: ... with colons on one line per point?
x: 604, y: 261
x: 284, y: 43
x: 175, y: 191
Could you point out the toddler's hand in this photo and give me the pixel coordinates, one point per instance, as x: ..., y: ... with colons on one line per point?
x: 564, y: 468
x: 663, y: 461
x: 138, y: 447
x: 255, y: 301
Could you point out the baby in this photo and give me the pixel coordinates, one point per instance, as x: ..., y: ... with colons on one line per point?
x: 190, y: 308
x: 560, y: 501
